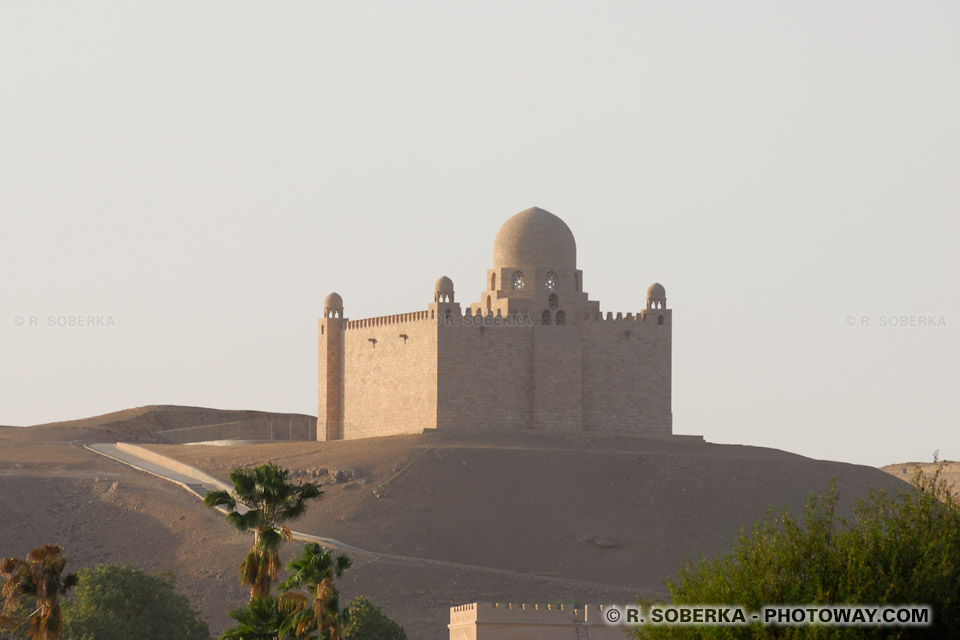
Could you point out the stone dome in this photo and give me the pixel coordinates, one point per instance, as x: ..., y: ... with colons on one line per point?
x: 656, y: 292
x: 444, y: 285
x: 535, y: 238
x: 333, y: 301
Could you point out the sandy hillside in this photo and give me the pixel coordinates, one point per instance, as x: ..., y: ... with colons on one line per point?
x: 172, y: 423
x: 906, y: 470
x: 609, y: 510
x: 536, y: 518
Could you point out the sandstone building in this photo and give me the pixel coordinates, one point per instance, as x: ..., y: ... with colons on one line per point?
x: 497, y: 621
x: 534, y: 353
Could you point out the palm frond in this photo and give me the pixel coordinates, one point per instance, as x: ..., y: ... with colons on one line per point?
x: 239, y: 521
x: 10, y: 565
x: 220, y: 498
x: 271, y: 501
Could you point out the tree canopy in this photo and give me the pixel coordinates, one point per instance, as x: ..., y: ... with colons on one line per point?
x: 365, y: 621
x: 901, y: 548
x: 114, y: 602
x: 263, y: 500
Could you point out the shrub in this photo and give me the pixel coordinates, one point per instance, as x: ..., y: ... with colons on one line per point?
x: 898, y: 549
x: 365, y: 621
x: 115, y: 602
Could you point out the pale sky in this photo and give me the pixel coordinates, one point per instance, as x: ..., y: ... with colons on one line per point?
x: 199, y: 175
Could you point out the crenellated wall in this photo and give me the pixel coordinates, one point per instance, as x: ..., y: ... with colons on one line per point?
x: 485, y: 375
x: 390, y: 375
x: 383, y: 321
x: 626, y: 373
x: 501, y: 621
x: 408, y: 372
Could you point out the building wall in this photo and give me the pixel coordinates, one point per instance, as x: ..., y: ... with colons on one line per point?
x: 474, y: 373
x: 489, y: 621
x: 626, y: 374
x: 558, y: 378
x: 485, y: 376
x: 389, y: 386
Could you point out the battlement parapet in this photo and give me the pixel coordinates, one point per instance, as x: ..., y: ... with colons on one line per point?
x: 641, y: 316
x: 525, y: 614
x: 398, y: 318
x: 490, y: 313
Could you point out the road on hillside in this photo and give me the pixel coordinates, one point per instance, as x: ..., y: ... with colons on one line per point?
x: 200, y: 484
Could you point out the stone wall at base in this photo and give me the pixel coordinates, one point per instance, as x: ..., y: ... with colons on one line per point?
x: 498, y: 621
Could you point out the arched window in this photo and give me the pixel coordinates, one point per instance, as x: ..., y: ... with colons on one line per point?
x: 545, y: 317
x: 488, y: 303
x: 561, y: 317
x: 553, y: 301
x: 518, y: 280
x: 448, y: 315
x: 550, y: 282
x: 493, y: 282
x: 576, y: 281
x: 659, y: 319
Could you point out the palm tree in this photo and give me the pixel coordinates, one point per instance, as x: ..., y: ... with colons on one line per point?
x: 261, y: 619
x: 262, y: 501
x: 316, y: 570
x: 40, y: 576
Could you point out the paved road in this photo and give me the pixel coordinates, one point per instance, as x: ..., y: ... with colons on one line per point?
x: 195, y: 486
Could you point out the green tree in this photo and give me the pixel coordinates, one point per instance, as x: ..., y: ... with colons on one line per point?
x: 39, y: 577
x: 263, y: 501
x: 315, y: 570
x: 366, y: 621
x: 263, y: 618
x: 114, y: 602
x: 901, y: 548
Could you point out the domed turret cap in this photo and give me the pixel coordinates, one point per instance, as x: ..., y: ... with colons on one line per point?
x: 443, y: 285
x: 333, y: 301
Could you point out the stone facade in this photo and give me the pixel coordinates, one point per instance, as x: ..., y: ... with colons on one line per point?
x: 491, y: 621
x: 534, y: 353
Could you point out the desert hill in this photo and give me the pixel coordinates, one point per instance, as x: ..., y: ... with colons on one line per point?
x: 616, y: 511
x: 906, y: 470
x: 177, y: 424
x: 523, y: 517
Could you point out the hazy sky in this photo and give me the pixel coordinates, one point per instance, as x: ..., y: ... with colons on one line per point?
x: 199, y: 175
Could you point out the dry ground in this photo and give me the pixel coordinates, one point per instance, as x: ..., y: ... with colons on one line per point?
x: 537, y: 518
x: 906, y: 470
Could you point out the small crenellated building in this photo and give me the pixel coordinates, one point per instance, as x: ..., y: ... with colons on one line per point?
x: 501, y: 621
x: 534, y: 353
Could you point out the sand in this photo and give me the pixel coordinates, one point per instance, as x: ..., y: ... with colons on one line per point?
x: 537, y: 518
